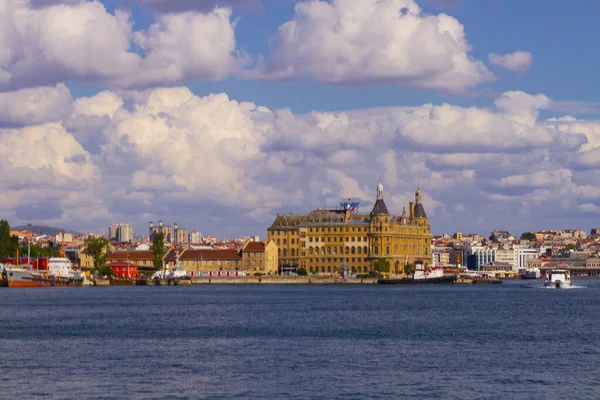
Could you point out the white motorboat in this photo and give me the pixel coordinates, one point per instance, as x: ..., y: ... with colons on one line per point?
x: 558, y: 279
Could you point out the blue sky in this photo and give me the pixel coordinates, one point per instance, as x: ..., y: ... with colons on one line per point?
x: 563, y: 66
x: 348, y: 97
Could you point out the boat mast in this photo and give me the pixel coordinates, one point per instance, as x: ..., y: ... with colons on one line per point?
x: 28, y: 243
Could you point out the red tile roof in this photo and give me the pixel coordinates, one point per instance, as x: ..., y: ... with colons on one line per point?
x: 255, y: 246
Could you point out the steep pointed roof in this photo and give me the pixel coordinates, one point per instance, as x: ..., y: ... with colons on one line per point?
x: 420, y: 211
x: 380, y: 208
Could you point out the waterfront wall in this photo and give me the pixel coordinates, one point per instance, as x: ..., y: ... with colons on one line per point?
x: 280, y: 280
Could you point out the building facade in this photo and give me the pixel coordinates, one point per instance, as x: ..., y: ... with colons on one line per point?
x: 253, y: 257
x: 166, y: 230
x: 180, y: 236
x: 120, y: 233
x: 195, y: 237
x: 322, y: 240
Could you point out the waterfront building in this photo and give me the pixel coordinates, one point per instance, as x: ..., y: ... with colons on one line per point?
x: 499, y: 269
x: 503, y: 256
x: 324, y: 239
x: 140, y: 258
x: 522, y: 254
x: 252, y: 257
x: 260, y: 257
x: 476, y: 256
x: 124, y: 269
x: 120, y: 233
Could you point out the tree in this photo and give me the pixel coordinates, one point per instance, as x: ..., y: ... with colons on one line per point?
x: 530, y: 236
x: 409, y: 268
x: 96, y: 248
x: 382, y: 265
x: 8, y: 244
x: 38, y: 251
x: 302, y: 272
x: 158, y: 248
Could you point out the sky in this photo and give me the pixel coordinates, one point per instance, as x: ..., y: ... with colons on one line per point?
x: 218, y: 115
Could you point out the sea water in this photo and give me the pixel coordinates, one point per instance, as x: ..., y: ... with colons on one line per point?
x: 507, y: 341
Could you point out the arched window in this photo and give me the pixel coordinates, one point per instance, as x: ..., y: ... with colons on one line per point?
x: 329, y: 250
x: 328, y: 269
x: 285, y: 252
x: 341, y: 250
x: 359, y: 248
x: 353, y: 250
x: 365, y: 250
x: 279, y: 252
x: 387, y: 249
x: 322, y: 269
x: 376, y: 250
x: 310, y: 251
x: 293, y: 252
x: 347, y: 250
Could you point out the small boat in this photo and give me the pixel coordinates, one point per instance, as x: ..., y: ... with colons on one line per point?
x: 558, y: 279
x: 422, y: 275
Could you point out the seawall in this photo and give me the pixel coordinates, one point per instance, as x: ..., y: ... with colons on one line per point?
x: 280, y: 280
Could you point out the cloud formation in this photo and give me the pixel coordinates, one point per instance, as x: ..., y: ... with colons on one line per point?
x: 83, y: 41
x: 167, y: 153
x: 374, y: 41
x: 518, y: 61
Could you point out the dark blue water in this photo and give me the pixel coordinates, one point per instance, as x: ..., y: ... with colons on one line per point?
x: 505, y: 341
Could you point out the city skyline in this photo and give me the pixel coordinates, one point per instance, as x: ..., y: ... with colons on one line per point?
x: 224, y: 115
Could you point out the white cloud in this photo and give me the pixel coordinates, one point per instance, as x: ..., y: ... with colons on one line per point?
x: 517, y: 61
x: 83, y: 41
x: 374, y: 41
x: 35, y: 106
x: 170, y: 154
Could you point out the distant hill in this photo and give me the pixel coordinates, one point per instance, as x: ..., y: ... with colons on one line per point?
x: 43, y: 230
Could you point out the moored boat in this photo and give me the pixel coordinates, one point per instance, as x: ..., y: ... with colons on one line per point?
x: 59, y: 272
x: 530, y: 273
x: 422, y: 275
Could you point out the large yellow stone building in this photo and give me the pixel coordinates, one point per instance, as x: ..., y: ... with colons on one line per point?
x: 322, y: 240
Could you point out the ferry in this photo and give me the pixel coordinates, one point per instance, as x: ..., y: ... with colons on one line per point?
x: 558, y: 279
x: 422, y: 275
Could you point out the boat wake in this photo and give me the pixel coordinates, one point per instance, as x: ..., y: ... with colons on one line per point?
x: 565, y: 288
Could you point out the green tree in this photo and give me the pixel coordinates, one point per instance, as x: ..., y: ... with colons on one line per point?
x: 529, y: 236
x: 38, y: 251
x: 302, y: 272
x: 8, y: 244
x: 382, y: 265
x: 96, y: 248
x: 568, y: 247
x: 158, y: 248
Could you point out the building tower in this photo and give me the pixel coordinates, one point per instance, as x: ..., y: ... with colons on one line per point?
x: 380, y: 219
x: 420, y: 217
